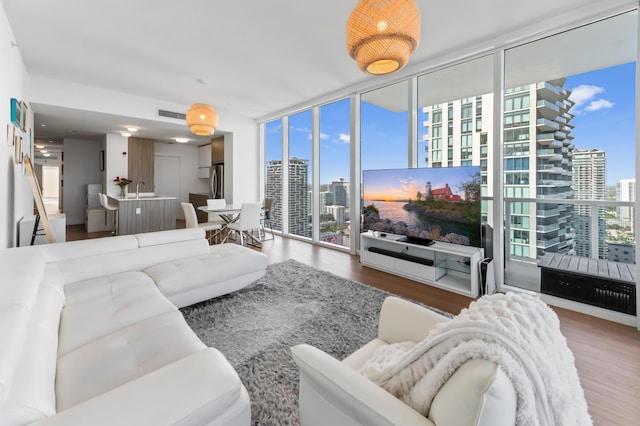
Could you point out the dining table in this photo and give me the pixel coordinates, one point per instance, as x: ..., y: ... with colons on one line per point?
x: 229, y: 214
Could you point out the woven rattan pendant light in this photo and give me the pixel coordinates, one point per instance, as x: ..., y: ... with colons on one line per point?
x: 202, y: 119
x: 381, y: 34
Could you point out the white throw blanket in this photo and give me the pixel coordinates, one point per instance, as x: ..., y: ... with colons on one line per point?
x: 516, y: 331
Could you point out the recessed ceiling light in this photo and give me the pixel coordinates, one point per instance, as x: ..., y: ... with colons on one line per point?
x: 132, y: 129
x: 44, y: 151
x: 43, y: 125
x: 182, y: 140
x: 47, y: 155
x: 125, y: 134
x: 39, y: 146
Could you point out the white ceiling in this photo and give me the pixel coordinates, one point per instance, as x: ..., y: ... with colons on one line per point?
x: 256, y: 57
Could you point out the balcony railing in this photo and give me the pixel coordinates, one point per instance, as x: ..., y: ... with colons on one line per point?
x: 548, y: 109
x: 546, y: 124
x: 548, y: 228
x: 548, y: 213
x: 545, y: 244
x: 560, y: 236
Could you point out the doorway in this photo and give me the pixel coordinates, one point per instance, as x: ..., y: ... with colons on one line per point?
x: 51, y: 188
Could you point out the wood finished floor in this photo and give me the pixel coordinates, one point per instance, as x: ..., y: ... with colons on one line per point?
x: 607, y: 354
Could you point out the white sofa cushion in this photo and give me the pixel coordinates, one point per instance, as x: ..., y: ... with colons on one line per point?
x: 26, y: 308
x: 478, y: 393
x: 223, y: 264
x: 32, y: 394
x: 100, y: 306
x: 113, y: 330
x: 167, y: 237
x: 199, y: 389
x: 82, y: 260
x: 122, y: 356
x: 83, y: 248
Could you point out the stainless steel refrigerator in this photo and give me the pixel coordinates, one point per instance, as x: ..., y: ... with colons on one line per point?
x: 216, y: 180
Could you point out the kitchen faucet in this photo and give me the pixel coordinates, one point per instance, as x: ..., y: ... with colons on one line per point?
x: 138, y: 188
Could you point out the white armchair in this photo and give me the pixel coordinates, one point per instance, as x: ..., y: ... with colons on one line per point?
x: 333, y: 392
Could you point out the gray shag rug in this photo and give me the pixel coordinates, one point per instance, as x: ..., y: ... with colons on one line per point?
x: 293, y: 303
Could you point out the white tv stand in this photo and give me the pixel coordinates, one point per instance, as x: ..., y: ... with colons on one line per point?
x: 448, y: 266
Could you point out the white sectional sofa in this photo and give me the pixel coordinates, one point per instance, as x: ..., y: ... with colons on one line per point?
x: 91, y: 332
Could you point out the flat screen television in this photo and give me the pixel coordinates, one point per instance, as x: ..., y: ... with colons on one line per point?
x: 441, y: 204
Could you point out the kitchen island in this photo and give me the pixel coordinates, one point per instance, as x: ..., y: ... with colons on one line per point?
x: 147, y: 213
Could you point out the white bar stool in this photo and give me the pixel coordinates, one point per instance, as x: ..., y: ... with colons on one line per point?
x: 104, y: 202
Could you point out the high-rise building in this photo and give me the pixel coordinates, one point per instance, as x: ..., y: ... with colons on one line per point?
x: 537, y: 158
x: 589, y: 184
x: 326, y: 199
x: 626, y: 192
x: 273, y: 190
x: 340, y: 190
x: 299, y: 205
x: 338, y: 214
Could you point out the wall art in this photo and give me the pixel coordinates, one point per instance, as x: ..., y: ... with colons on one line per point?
x: 18, y: 145
x: 17, y: 113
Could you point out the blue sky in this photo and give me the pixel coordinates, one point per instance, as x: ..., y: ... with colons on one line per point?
x: 604, y: 119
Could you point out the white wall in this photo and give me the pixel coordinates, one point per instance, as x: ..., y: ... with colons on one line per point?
x: 16, y: 199
x: 116, y: 161
x: 242, y: 159
x: 81, y: 168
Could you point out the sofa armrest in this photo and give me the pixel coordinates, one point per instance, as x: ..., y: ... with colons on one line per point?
x: 333, y: 393
x: 402, y: 321
x: 194, y: 390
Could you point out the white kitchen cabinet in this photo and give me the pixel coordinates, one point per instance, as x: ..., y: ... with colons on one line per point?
x: 204, y: 161
x: 204, y: 156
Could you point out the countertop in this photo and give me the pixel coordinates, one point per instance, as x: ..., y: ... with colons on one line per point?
x: 145, y: 196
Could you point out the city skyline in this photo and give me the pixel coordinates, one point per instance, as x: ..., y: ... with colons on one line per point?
x: 604, y: 119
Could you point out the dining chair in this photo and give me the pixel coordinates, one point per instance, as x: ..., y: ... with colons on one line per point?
x: 266, y: 219
x: 249, y: 220
x: 216, y: 203
x: 191, y: 220
x: 115, y: 210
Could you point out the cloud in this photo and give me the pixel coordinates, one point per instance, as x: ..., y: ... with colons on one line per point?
x: 583, y: 96
x: 410, y: 187
x: 323, y: 136
x: 599, y: 104
x: 344, y: 138
x: 584, y: 93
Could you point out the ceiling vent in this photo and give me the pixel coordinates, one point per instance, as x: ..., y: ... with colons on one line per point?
x: 171, y: 114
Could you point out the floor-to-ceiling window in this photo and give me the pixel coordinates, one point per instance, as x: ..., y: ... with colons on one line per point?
x: 384, y: 142
x: 455, y: 121
x: 384, y: 127
x: 300, y: 173
x: 335, y: 160
x: 273, y: 170
x: 569, y: 146
x: 555, y: 145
